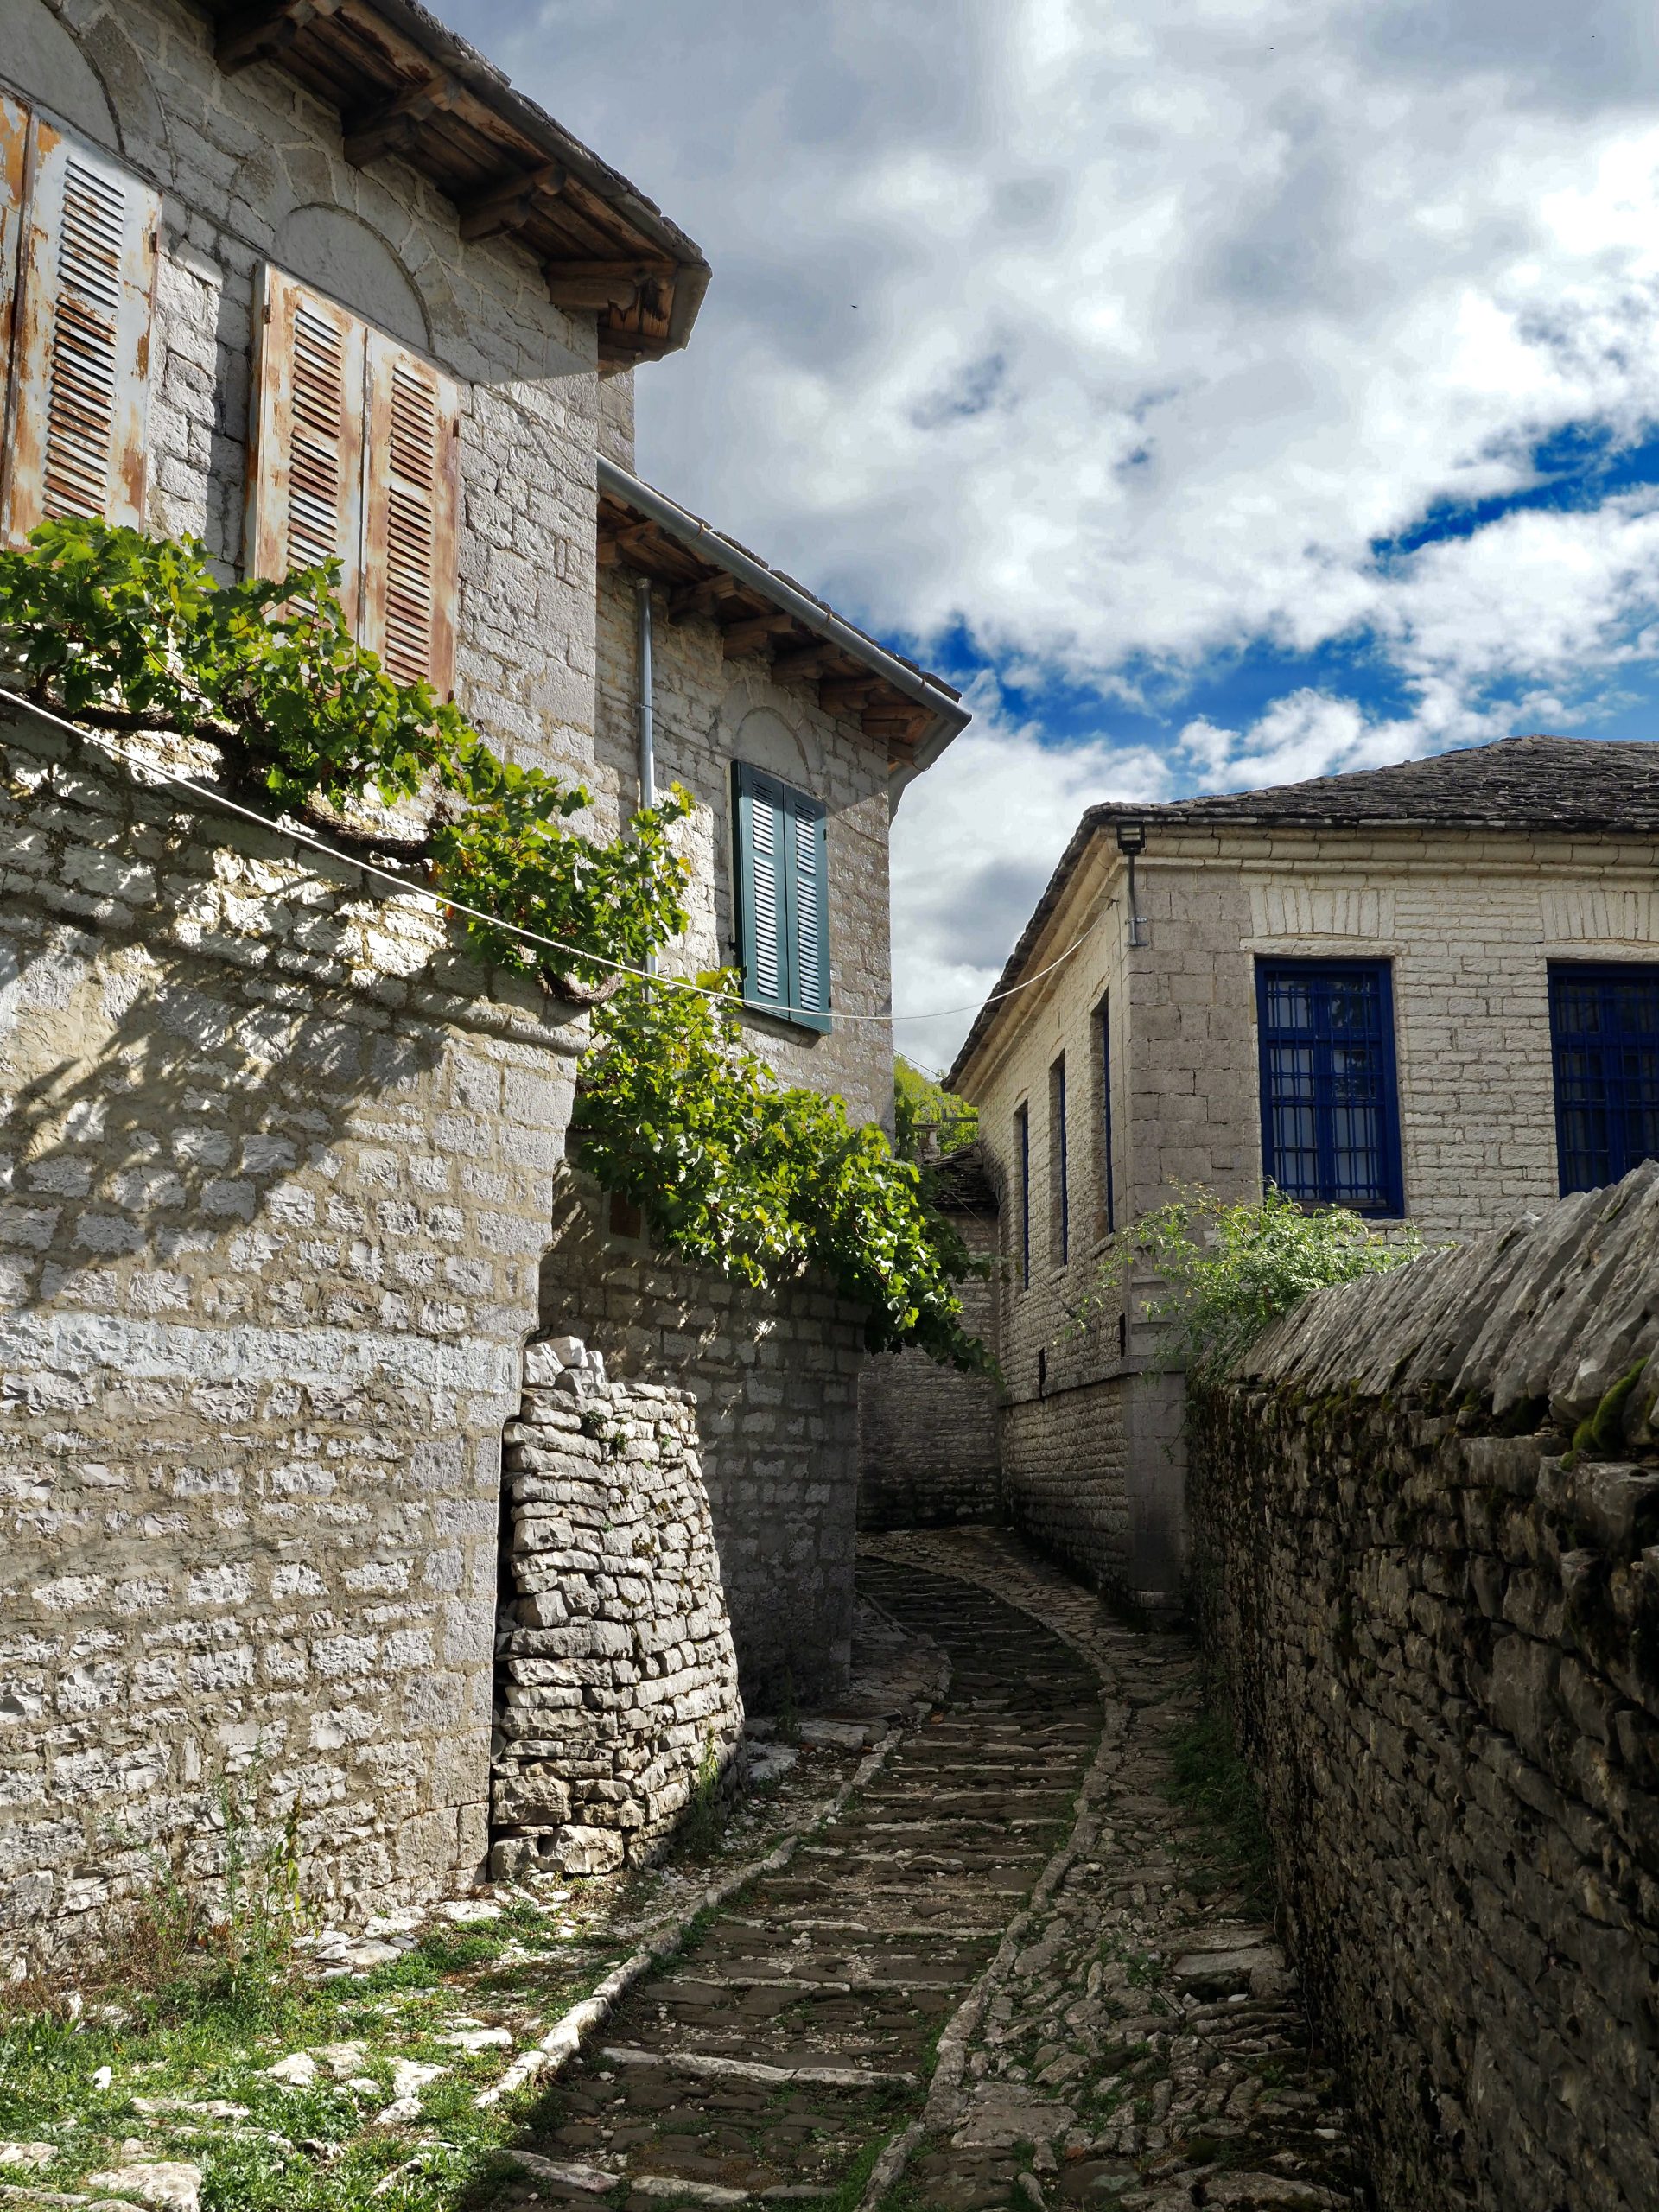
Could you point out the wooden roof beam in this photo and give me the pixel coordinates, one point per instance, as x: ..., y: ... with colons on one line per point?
x: 392, y: 125
x: 808, y: 661
x: 602, y: 283
x: 703, y: 597
x: 252, y: 33
x: 848, y: 694
x: 751, y: 633
x: 508, y: 206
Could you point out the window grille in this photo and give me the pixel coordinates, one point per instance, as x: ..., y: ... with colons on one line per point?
x: 1604, y: 1029
x: 1330, y: 1113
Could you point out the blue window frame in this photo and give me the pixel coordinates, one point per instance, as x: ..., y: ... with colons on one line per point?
x: 1604, y: 1035
x: 1107, y: 1185
x: 1022, y: 1149
x: 1059, y: 1224
x: 1330, y: 1109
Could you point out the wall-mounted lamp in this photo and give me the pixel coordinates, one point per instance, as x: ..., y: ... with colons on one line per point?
x: 1131, y: 840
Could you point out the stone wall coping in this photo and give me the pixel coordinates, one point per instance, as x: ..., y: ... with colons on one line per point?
x: 1556, y: 1308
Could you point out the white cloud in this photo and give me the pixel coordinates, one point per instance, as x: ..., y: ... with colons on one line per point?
x: 974, y: 841
x: 1118, y: 333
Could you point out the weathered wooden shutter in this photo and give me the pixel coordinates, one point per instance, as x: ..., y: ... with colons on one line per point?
x: 306, y: 483
x: 809, y: 912
x: 14, y: 167
x: 762, y: 894
x: 411, y: 495
x: 81, y: 346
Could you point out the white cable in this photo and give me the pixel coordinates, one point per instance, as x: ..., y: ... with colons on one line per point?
x: 279, y: 828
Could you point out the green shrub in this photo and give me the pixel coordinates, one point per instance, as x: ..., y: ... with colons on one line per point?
x: 1225, y: 1272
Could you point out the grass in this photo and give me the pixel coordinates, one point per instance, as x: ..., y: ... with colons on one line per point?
x: 198, y: 2009
x: 1210, y: 1782
x: 211, y: 2032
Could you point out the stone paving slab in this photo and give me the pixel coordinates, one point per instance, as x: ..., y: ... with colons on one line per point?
x: 988, y: 1981
x: 1146, y: 2048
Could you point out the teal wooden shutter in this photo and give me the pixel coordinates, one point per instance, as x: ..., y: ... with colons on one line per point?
x: 809, y: 912
x: 762, y: 889
x: 783, y: 898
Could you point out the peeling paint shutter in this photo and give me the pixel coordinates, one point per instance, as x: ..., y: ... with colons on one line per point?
x: 762, y: 860
x: 82, y: 342
x: 306, y: 483
x: 411, y: 497
x: 808, y: 917
x: 14, y: 167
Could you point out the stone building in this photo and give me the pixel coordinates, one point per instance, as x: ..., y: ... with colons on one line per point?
x: 1429, y: 992
x: 927, y: 1434
x: 281, y: 1163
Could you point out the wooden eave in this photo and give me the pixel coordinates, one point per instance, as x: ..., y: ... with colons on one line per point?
x: 752, y: 623
x: 403, y: 84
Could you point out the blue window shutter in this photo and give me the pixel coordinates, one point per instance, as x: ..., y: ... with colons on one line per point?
x: 762, y: 886
x: 1604, y: 1034
x: 1329, y: 1111
x: 809, y: 912
x: 783, y: 898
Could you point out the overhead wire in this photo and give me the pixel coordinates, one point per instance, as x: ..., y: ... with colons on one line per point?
x: 441, y: 899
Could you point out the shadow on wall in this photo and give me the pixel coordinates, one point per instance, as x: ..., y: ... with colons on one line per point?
x: 151, y: 1117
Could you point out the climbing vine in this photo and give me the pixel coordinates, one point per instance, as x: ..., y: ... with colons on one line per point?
x: 132, y: 634
x: 734, y: 1168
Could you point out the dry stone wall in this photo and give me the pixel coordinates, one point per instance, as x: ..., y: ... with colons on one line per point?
x: 617, y: 1680
x: 774, y: 1378
x: 275, y: 1167
x: 1426, y: 1524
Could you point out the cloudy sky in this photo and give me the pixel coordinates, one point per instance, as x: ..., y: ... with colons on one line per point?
x: 1224, y: 391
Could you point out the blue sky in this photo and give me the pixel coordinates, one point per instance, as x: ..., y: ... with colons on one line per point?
x: 1222, y: 391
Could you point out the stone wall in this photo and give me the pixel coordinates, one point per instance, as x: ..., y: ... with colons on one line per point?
x: 711, y: 711
x: 251, y: 170
x: 775, y: 1382
x: 1425, y: 1521
x: 276, y: 1164
x: 927, y: 1434
x: 616, y: 1675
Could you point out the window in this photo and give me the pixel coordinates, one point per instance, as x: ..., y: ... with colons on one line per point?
x: 1330, y: 1120
x: 1103, y: 1119
x: 1604, y: 1033
x: 356, y: 461
x: 1059, y: 1197
x: 1022, y: 1158
x: 77, y: 276
x: 783, y: 898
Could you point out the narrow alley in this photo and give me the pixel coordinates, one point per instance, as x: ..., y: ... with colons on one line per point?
x: 1001, y: 1975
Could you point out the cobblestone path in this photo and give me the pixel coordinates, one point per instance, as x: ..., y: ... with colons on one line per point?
x: 987, y: 1981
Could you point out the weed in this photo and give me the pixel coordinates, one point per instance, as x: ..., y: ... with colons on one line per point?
x: 1210, y: 1780
x: 789, y: 1719
x: 701, y: 1826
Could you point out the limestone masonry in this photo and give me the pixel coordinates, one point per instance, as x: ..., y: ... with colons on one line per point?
x: 1426, y: 1536
x: 618, y: 1681
x: 277, y: 1172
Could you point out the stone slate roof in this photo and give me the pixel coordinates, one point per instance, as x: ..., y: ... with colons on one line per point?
x: 1574, y: 786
